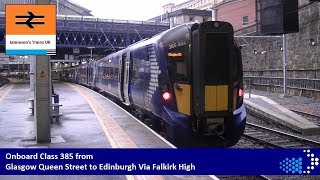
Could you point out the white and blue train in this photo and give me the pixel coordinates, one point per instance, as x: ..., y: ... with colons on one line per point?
x: 188, y: 79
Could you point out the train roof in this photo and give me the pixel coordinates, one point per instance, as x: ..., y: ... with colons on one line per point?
x: 151, y: 40
x: 144, y: 42
x: 157, y: 37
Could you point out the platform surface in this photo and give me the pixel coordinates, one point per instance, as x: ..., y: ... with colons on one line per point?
x: 89, y: 121
x: 267, y: 108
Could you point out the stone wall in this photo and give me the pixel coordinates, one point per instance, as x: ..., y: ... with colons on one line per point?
x: 263, y: 56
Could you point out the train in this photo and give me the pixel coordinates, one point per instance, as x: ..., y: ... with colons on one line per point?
x: 188, y: 80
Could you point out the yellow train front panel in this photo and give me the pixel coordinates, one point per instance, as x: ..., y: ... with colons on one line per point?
x: 183, y: 98
x: 216, y: 98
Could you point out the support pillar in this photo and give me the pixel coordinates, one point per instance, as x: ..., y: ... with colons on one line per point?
x: 42, y: 99
x: 171, y: 22
x: 284, y: 58
x: 128, y: 39
x: 32, y: 63
x: 214, y: 15
x: 23, y: 73
x: 42, y: 95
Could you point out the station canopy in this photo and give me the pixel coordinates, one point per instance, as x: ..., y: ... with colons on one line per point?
x: 66, y: 7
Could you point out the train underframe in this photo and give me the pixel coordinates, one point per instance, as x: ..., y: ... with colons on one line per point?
x: 217, y: 132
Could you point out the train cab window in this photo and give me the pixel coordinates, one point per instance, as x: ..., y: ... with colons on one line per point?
x: 178, y: 70
x: 217, y: 59
x: 178, y: 64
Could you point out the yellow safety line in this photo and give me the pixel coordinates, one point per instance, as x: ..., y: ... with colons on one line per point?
x: 4, y: 92
x: 117, y: 137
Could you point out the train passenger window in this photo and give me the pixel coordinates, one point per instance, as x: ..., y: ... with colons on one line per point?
x: 116, y: 71
x: 108, y: 73
x: 111, y: 72
x: 135, y: 68
x: 105, y: 71
x: 138, y: 65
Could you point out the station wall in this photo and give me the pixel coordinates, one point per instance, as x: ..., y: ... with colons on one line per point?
x: 263, y: 56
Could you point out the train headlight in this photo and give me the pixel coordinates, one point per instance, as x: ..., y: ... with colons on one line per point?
x: 167, y: 96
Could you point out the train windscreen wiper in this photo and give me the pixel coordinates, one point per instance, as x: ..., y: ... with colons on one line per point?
x: 177, y: 86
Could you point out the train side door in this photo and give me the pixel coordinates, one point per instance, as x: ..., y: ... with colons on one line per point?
x: 120, y: 77
x: 94, y: 74
x: 126, y: 78
x: 87, y: 75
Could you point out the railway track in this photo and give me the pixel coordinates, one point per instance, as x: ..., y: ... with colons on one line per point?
x: 276, y: 139
x: 313, y: 117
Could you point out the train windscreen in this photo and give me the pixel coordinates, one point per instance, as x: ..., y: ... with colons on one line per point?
x: 217, y: 58
x: 178, y: 64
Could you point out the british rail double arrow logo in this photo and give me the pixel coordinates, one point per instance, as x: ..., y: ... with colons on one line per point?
x: 29, y: 21
x: 31, y: 29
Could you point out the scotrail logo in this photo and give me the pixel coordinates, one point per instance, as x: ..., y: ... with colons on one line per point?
x: 295, y: 165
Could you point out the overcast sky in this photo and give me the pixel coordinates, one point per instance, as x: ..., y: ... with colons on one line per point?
x: 126, y: 9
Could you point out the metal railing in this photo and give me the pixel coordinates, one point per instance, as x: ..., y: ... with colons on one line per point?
x: 297, y: 83
x: 94, y: 19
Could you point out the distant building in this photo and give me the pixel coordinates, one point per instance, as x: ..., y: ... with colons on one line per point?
x: 66, y: 7
x: 182, y: 16
x: 192, y: 4
x: 240, y: 13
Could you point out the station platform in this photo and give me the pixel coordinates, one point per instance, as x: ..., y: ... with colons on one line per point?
x: 89, y: 121
x: 266, y: 108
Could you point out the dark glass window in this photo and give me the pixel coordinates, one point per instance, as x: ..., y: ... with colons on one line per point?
x: 217, y: 58
x: 245, y: 20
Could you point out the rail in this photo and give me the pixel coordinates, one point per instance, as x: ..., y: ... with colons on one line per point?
x: 312, y: 117
x: 296, y: 83
x: 274, y: 138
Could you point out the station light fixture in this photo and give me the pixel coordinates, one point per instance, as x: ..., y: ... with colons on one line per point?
x: 312, y: 42
x: 241, y: 46
x: 281, y: 49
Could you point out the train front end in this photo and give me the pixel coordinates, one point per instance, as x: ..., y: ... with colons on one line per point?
x: 205, y: 69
